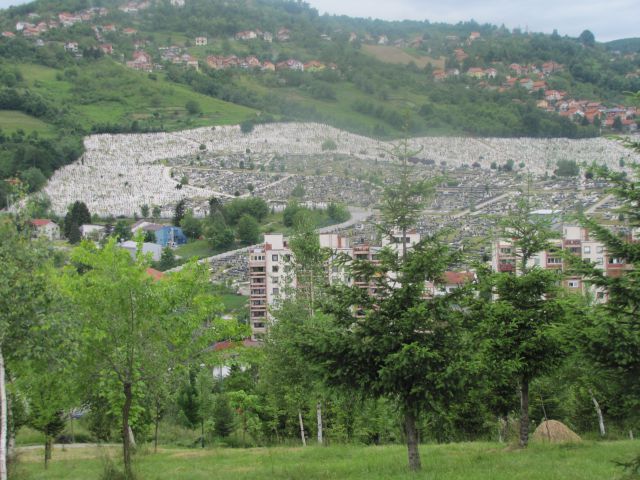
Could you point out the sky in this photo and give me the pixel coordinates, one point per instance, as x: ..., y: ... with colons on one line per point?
x: 607, y: 19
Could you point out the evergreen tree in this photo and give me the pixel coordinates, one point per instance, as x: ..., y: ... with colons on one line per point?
x: 223, y: 416
x: 179, y: 212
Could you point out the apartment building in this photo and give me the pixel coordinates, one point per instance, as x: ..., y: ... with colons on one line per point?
x: 271, y: 276
x: 574, y: 239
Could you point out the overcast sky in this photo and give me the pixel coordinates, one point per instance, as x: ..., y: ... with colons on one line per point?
x: 607, y: 19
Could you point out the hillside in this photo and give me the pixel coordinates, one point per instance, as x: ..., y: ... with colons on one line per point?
x: 72, y: 69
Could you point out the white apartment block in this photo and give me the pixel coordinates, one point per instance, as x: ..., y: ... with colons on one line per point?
x: 575, y: 239
x: 271, y: 277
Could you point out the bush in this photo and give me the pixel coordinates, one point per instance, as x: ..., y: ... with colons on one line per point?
x: 193, y: 107
x: 329, y: 144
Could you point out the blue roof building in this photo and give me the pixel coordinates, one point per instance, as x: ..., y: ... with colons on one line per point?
x: 170, y: 236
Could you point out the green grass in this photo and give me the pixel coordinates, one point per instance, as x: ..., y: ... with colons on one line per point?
x: 108, y: 92
x: 465, y: 461
x: 234, y: 303
x: 12, y: 120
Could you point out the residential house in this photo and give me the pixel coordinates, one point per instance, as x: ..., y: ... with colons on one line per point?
x: 314, y: 66
x: 129, y: 31
x: 475, y: 72
x: 141, y: 61
x: 474, y: 36
x: 551, y: 67
x: 283, y: 35
x: 383, y: 40
x: 491, y: 72
x: 267, y: 37
x: 460, y: 55
x: 107, y: 48
x: 8, y: 34
x: 109, y: 28
x: 268, y: 66
x: 71, y: 47
x: 92, y: 232
x: 246, y: 35
x: 201, y: 41
x: 43, y: 227
x: 170, y: 236
x: 153, y: 249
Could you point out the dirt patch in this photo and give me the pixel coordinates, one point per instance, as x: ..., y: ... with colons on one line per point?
x: 555, y: 432
x: 398, y: 56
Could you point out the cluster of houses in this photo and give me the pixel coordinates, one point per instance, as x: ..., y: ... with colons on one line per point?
x: 282, y: 35
x: 221, y: 62
x: 163, y: 236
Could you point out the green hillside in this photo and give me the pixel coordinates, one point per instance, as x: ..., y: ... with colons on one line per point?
x: 68, y: 75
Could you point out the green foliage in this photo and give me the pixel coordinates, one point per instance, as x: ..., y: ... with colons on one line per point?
x: 191, y: 226
x: 193, y: 107
x: 77, y: 216
x: 567, y: 168
x: 179, y: 212
x: 223, y: 416
x: 167, y: 259
x: 248, y: 230
x: 236, y: 208
x: 329, y: 145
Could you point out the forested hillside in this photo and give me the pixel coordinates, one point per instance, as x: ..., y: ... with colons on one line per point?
x: 73, y: 67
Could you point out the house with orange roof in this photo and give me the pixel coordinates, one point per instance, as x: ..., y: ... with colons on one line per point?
x: 45, y: 228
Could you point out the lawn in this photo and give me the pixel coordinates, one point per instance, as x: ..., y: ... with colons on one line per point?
x: 464, y: 461
x: 12, y: 120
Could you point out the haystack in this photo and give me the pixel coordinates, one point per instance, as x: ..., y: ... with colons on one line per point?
x: 555, y: 432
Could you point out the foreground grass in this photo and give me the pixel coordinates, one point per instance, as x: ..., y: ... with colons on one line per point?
x: 468, y: 461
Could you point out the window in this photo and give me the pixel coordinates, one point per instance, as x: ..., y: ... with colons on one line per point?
x: 599, y: 249
x: 258, y: 325
x: 615, y: 261
x: 554, y: 260
x: 275, y: 269
x: 274, y: 258
x: 275, y: 291
x: 600, y: 295
x: 599, y: 261
x: 574, y: 283
x: 587, y: 250
x: 505, y: 251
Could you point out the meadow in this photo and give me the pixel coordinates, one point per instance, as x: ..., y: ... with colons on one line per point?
x: 468, y: 461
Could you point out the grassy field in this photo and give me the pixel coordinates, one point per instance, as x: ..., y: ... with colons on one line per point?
x: 12, y: 120
x: 108, y: 92
x: 465, y: 461
x: 395, y: 55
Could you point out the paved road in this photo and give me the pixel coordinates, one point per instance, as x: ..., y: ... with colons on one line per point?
x: 481, y: 205
x: 597, y: 205
x: 358, y: 215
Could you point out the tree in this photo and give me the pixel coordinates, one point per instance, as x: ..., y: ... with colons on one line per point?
x: 193, y: 107
x: 23, y: 297
x: 248, y: 230
x: 156, y: 212
x: 246, y: 126
x: 179, y: 212
x: 77, y: 216
x: 222, y: 416
x: 609, y: 337
x: 144, y: 211
x: 134, y: 328
x: 338, y: 212
x: 167, y: 259
x: 395, y: 344
x: 121, y: 231
x: 587, y: 38
x: 191, y: 226
x: 517, y: 329
x: 217, y: 233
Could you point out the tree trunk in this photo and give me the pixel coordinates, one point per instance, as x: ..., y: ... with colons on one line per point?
x: 412, y: 440
x: 48, y: 441
x: 157, y: 425
x: 3, y: 421
x: 319, y: 417
x: 304, y: 441
x: 503, y: 424
x: 524, y: 412
x: 599, y: 413
x: 126, y: 438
